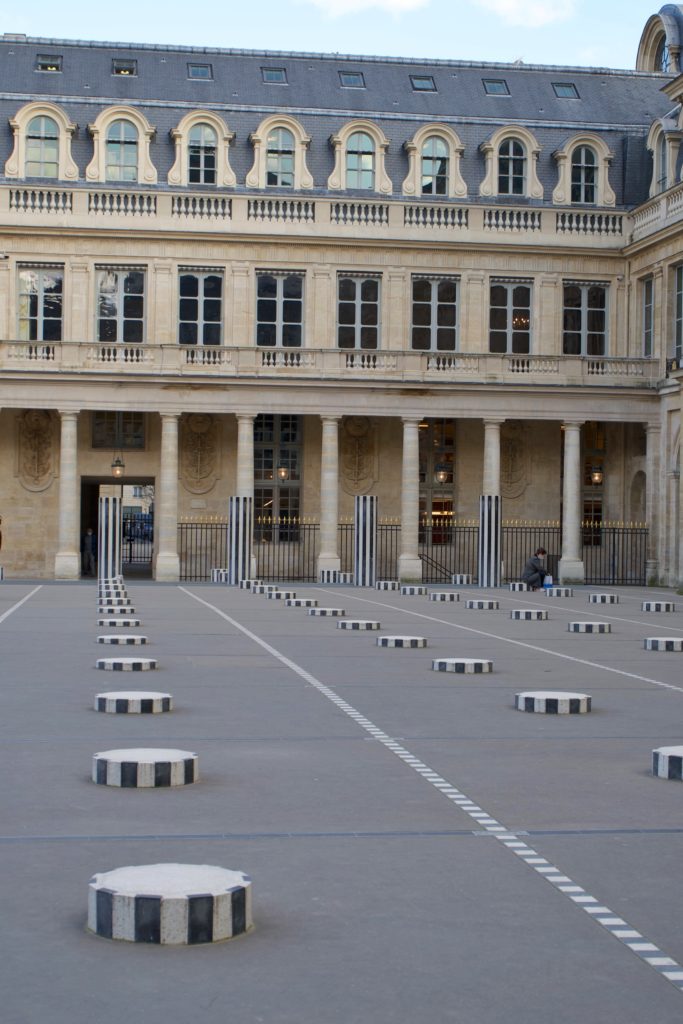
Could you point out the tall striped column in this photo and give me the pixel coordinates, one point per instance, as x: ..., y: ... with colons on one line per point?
x: 109, y: 533
x: 571, y: 567
x: 365, y: 540
x: 67, y: 559
x: 489, y: 540
x: 240, y: 532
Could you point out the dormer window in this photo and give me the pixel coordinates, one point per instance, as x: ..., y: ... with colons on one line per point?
x: 125, y: 68
x: 48, y: 62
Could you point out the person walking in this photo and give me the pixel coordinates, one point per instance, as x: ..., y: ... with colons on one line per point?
x: 89, y: 550
x: 533, y: 572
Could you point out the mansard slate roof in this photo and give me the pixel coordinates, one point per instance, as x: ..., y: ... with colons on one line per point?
x: 620, y: 105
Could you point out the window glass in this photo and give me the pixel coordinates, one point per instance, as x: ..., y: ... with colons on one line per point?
x: 279, y: 310
x: 678, y: 314
x: 48, y: 62
x: 648, y: 317
x: 122, y: 430
x: 358, y: 312
x: 434, y: 315
x: 202, y: 155
x: 280, y: 158
x: 584, y: 327
x: 583, y: 175
x: 122, y: 152
x: 124, y: 67
x: 40, y: 303
x: 200, y: 308
x: 434, y: 166
x: 422, y: 83
x: 203, y: 72
x: 274, y: 76
x: 496, y: 87
x: 566, y: 90
x: 120, y: 305
x: 511, y: 168
x: 351, y: 80
x: 42, y: 148
x: 510, y: 318
x: 360, y: 161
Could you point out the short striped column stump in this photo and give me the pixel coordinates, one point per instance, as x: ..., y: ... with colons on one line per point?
x: 301, y: 602
x: 519, y: 588
x: 358, y: 624
x: 413, y: 591
x: 482, y: 604
x: 327, y: 611
x: 401, y: 641
x: 529, y: 614
x: 663, y: 643
x: 126, y: 664
x: 344, y: 578
x: 463, y: 666
x: 603, y: 599
x: 558, y: 591
x: 282, y: 595
x: 145, y: 768
x: 387, y: 585
x: 263, y: 588
x: 461, y: 579
x: 110, y: 609
x: 112, y: 592
x: 108, y: 623
x: 2, y: 573
x: 133, y: 702
x: 658, y: 606
x: 444, y: 595
x: 249, y: 584
x: 170, y: 904
x: 589, y: 627
x: 553, y: 702
x: 130, y: 639
x: 667, y: 763
x: 117, y: 601
x: 219, y: 575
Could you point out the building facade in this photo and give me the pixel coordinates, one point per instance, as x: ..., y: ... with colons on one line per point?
x: 306, y: 277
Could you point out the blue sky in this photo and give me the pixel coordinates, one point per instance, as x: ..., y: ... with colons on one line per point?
x: 583, y: 32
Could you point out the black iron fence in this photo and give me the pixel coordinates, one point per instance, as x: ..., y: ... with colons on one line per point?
x: 287, y: 550
x: 137, y: 538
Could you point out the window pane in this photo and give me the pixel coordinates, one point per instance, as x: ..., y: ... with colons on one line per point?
x: 369, y: 291
x: 266, y: 286
x: 421, y: 338
x: 187, y: 334
x: 265, y: 334
x: 422, y: 314
x: 189, y: 309
x: 347, y: 288
x: 445, y: 340
x: 266, y: 310
x: 132, y: 331
x: 497, y: 341
x: 422, y: 291
x: 189, y: 284
x: 368, y: 337
x: 292, y: 287
x: 346, y: 337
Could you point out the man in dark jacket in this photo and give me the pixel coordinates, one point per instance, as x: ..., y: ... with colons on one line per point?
x: 533, y: 573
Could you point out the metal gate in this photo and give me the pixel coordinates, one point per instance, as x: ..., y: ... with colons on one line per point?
x: 138, y: 539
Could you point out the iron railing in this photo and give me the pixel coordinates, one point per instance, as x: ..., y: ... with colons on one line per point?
x: 615, y: 554
x: 202, y: 547
x: 137, y: 538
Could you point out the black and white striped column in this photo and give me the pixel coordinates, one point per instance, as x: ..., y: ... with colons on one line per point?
x: 109, y: 535
x: 489, y: 540
x: 365, y: 540
x: 240, y: 533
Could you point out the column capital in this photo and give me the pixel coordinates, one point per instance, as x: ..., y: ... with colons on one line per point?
x: 333, y: 418
x: 495, y: 421
x: 170, y: 415
x: 573, y: 424
x: 246, y: 416
x: 653, y: 428
x: 411, y: 420
x: 66, y: 413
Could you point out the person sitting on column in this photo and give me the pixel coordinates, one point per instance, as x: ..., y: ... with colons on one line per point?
x: 89, y: 549
x: 533, y: 572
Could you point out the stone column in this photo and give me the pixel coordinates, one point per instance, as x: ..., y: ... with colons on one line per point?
x: 245, y: 468
x: 409, y: 562
x: 653, y: 492
x: 168, y: 561
x: 571, y: 563
x: 68, y: 558
x: 491, y: 481
x: 329, y: 495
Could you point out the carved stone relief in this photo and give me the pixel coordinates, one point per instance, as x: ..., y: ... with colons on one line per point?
x: 199, y: 462
x: 35, y: 449
x: 515, y: 462
x: 358, y: 455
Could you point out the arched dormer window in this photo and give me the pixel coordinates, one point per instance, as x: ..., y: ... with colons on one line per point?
x: 434, y: 155
x: 202, y: 149
x: 121, y: 144
x: 359, y: 150
x: 42, y: 144
x: 660, y: 44
x: 583, y: 172
x: 663, y: 141
x: 511, y: 155
x: 280, y: 145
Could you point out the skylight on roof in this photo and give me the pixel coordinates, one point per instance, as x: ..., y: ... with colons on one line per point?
x: 125, y: 68
x: 48, y: 62
x: 495, y: 87
x: 201, y: 72
x: 422, y: 83
x: 566, y: 90
x: 274, y: 76
x: 351, y: 80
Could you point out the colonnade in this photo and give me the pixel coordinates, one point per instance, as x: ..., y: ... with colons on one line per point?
x: 67, y: 560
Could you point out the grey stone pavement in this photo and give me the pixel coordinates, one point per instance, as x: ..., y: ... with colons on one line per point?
x: 377, y: 898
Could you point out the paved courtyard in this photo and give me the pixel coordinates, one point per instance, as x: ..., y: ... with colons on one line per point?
x: 420, y: 851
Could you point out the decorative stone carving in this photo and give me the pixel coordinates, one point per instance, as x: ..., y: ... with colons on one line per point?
x: 35, y: 450
x: 199, y: 453
x: 358, y: 455
x: 515, y: 462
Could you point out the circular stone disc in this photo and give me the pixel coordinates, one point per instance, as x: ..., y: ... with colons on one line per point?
x: 146, y: 755
x: 669, y: 751
x: 132, y: 695
x: 553, y: 695
x: 169, y: 880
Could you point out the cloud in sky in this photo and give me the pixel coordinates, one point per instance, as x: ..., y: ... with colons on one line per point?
x: 337, y: 8
x: 529, y: 13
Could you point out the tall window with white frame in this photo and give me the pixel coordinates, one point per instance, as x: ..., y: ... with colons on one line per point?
x: 360, y: 161
x: 201, y: 154
x: 279, y: 309
x: 358, y: 312
x: 280, y: 158
x: 42, y: 148
x: 510, y: 317
x: 511, y: 168
x: 662, y: 175
x: 435, y: 318
x: 121, y: 305
x: 200, y: 302
x: 678, y: 315
x: 648, y: 291
x: 434, y: 166
x: 40, y: 303
x: 584, y: 319
x: 121, y: 152
x: 277, y: 477
x: 584, y: 175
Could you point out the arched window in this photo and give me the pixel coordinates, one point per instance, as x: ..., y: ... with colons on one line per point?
x: 663, y: 57
x: 434, y: 167
x: 42, y: 148
x: 201, y: 155
x: 584, y: 175
x: 661, y: 164
x: 280, y: 158
x: 121, y: 152
x: 360, y: 161
x: 511, y: 168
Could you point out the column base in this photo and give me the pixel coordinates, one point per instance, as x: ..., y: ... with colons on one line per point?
x: 571, y: 570
x: 652, y: 572
x: 167, y: 569
x: 409, y: 569
x: 67, y: 565
x: 332, y: 562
